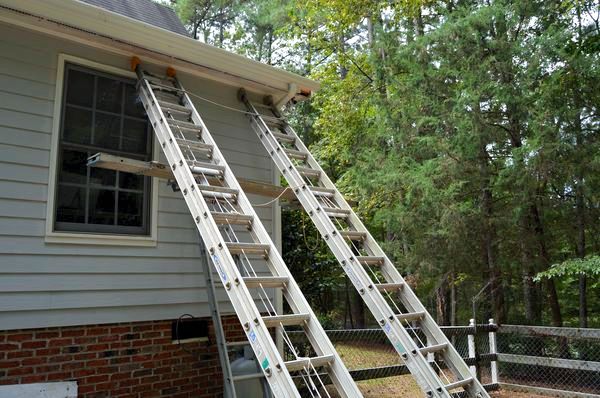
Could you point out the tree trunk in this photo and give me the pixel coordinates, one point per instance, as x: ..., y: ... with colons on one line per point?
x: 489, y: 250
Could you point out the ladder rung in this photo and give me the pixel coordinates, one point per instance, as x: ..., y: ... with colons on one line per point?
x: 159, y: 80
x: 161, y: 86
x: 174, y: 107
x: 308, y: 172
x: 354, y: 235
x: 270, y: 121
x: 410, y: 316
x: 458, y: 384
x: 294, y: 154
x: 167, y: 97
x: 336, y: 212
x: 266, y: 281
x: 322, y: 191
x: 231, y: 218
x: 206, y: 168
x: 248, y: 376
x: 218, y: 189
x: 247, y: 248
x: 370, y: 260
x: 283, y: 137
x: 301, y: 363
x: 389, y: 286
x: 179, y: 124
x: 233, y: 344
x: 433, y: 348
x: 195, y: 145
x: 285, y: 320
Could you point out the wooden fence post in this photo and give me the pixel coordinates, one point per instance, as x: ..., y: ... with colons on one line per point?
x: 471, y: 346
x: 493, y: 350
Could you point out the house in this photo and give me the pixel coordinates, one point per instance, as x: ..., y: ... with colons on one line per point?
x: 96, y: 266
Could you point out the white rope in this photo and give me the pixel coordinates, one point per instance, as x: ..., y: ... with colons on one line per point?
x: 270, y: 202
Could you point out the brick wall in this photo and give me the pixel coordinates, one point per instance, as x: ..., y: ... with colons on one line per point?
x: 136, y: 359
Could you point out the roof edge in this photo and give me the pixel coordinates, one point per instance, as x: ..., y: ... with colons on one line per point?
x: 98, y: 21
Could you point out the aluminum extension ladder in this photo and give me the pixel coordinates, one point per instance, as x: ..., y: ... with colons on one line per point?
x: 393, y: 303
x: 239, y: 246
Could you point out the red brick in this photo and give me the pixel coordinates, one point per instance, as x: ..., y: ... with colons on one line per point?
x: 108, y: 338
x: 120, y: 329
x: 18, y: 354
x: 83, y: 389
x: 72, y: 365
x: 96, y: 379
x: 60, y: 342
x: 59, y: 376
x: 46, y: 334
x: 47, y: 351
x: 96, y: 331
x: 33, y: 379
x: 97, y: 363
x: 97, y: 347
x: 85, y: 355
x: 80, y: 373
x: 34, y: 344
x: 19, y: 337
x: 72, y: 333
x: 8, y: 347
x: 47, y: 368
x: 20, y: 371
x: 33, y: 361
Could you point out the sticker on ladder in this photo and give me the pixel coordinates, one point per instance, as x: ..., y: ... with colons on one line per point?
x: 220, y: 269
x: 387, y: 328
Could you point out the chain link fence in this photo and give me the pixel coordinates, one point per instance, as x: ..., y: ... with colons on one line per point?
x: 380, y: 372
x: 547, y: 358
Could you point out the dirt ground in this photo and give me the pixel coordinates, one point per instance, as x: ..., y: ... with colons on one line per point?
x: 387, y: 390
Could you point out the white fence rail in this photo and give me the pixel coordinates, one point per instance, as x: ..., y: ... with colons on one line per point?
x: 563, y: 362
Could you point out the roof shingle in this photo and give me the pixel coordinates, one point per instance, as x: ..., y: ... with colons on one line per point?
x: 145, y: 11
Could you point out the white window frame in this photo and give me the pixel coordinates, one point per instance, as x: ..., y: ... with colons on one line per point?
x: 84, y: 238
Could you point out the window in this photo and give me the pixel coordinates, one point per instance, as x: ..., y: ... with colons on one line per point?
x: 101, y: 113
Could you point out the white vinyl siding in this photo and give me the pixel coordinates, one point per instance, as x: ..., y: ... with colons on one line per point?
x: 51, y: 284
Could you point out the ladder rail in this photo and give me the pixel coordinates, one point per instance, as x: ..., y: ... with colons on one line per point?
x: 423, y: 372
x: 228, y: 381
x: 272, y: 364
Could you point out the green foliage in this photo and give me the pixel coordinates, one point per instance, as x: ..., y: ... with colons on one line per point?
x: 467, y: 133
x: 589, y: 266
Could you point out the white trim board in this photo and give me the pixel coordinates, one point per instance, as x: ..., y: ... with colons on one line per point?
x: 81, y: 237
x: 67, y: 389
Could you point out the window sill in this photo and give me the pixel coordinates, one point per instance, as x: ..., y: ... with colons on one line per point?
x: 99, y: 239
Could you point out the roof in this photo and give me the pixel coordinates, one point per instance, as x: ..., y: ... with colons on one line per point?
x: 146, y: 11
x: 97, y: 27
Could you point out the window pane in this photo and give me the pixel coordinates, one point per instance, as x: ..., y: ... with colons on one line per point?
x: 73, y: 167
x: 78, y: 125
x: 104, y: 177
x: 133, y: 105
x: 101, y: 114
x: 70, y: 204
x: 134, y: 136
x: 107, y: 130
x: 102, y: 207
x: 131, y: 181
x: 130, y: 209
x: 109, y: 95
x: 80, y: 88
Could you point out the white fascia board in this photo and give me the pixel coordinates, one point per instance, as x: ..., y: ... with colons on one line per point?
x: 93, y: 20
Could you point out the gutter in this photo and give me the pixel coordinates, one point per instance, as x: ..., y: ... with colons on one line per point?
x: 93, y: 26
